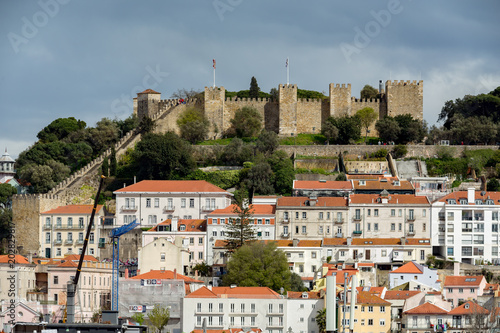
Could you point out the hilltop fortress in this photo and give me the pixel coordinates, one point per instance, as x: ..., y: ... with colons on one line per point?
x: 288, y: 115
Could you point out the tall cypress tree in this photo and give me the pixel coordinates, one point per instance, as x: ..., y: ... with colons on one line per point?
x: 113, y: 163
x: 105, y: 167
x: 254, y: 88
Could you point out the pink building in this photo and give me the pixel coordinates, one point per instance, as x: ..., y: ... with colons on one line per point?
x: 459, y: 289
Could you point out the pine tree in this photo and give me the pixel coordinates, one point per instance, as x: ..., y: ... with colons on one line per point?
x: 239, y: 229
x: 254, y: 88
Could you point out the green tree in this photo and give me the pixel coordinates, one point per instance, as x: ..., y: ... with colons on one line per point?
x: 239, y: 229
x: 6, y: 193
x: 105, y: 167
x: 388, y: 129
x: 104, y: 135
x: 146, y: 125
x: 321, y: 320
x: 158, y: 317
x: 296, y: 283
x: 258, y: 265
x: 59, y: 129
x: 44, y: 177
x: 254, y: 88
x: 369, y: 92
x: 349, y: 128
x: 113, y: 164
x: 5, y: 221
x: 138, y: 317
x: 127, y: 125
x: 399, y: 151
x: 284, y: 172
x: 275, y: 95
x: 267, y: 142
x: 412, y: 130
x: 366, y: 116
x: 247, y: 122
x: 237, y: 152
x: 493, y: 185
x: 193, y: 125
x: 202, y: 268
x: 330, y: 131
x: 163, y: 156
x: 259, y: 179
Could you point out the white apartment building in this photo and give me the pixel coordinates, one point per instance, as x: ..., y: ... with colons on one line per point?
x: 152, y: 201
x: 465, y: 226
x: 311, y: 218
x: 413, y: 271
x: 263, y: 224
x: 194, y: 233
x: 387, y: 215
x: 63, y: 230
x: 235, y: 307
x: 302, y: 309
x: 21, y: 276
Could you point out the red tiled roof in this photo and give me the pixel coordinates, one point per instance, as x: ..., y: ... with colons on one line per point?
x: 319, y: 202
x: 317, y: 184
x: 340, y: 279
x: 256, y: 210
x: 18, y: 259
x: 76, y: 257
x: 400, y: 199
x: 400, y: 294
x: 468, y: 308
x: 73, y: 210
x: 236, y: 292
x: 426, y: 308
x: 367, y: 297
x: 450, y: 281
x: 165, y: 275
x: 220, y: 243
x: 408, y: 268
x: 375, y: 241
x: 298, y: 294
x: 148, y: 91
x: 172, y: 186
x: 191, y: 224
x: 301, y: 243
x: 380, y: 185
x: 68, y: 263
x: 495, y: 196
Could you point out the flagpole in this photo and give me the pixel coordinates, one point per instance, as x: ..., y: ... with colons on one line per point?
x: 287, y: 71
x: 214, y: 72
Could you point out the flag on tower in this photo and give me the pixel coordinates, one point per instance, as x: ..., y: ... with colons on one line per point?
x: 214, y: 62
x: 286, y: 64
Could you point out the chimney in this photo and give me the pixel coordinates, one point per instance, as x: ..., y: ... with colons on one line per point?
x: 295, y: 242
x: 403, y: 240
x: 349, y: 241
x: 456, y: 269
x: 174, y: 223
x: 175, y: 273
x: 196, y: 274
x: 380, y: 87
x: 126, y: 273
x: 30, y: 257
x: 471, y: 195
x: 135, y: 179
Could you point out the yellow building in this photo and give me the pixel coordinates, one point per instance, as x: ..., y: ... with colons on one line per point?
x: 372, y: 314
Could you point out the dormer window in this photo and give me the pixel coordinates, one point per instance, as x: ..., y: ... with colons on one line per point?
x: 463, y: 201
x: 479, y: 202
x: 182, y: 227
x: 362, y: 183
x: 489, y: 202
x: 466, y: 306
x: 396, y: 183
x: 452, y: 202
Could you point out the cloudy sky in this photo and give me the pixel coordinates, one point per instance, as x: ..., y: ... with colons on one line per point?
x: 88, y: 59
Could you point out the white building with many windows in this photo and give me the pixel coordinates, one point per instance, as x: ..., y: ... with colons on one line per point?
x: 465, y: 226
x: 152, y: 201
x: 63, y: 230
x: 235, y: 307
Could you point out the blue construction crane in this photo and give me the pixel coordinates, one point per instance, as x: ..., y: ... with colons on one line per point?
x: 115, y: 239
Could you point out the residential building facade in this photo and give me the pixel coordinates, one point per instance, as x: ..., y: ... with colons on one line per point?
x: 413, y: 271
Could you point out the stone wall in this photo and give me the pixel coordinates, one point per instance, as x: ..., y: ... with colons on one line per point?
x: 325, y: 164
x: 405, y: 97
x: 309, y: 116
x: 340, y: 99
x: 287, y: 109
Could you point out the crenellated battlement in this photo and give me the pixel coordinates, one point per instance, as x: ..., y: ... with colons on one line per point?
x: 246, y: 99
x: 338, y: 85
x: 365, y: 100
x: 310, y: 100
x: 404, y: 83
x: 288, y: 86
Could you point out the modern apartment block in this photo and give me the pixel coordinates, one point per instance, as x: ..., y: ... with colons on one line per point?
x: 465, y: 226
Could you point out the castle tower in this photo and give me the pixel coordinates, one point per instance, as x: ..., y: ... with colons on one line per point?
x: 214, y: 110
x: 147, y: 103
x: 405, y: 97
x: 287, y: 109
x: 340, y: 100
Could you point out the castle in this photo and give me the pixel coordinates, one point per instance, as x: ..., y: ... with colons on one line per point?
x: 288, y: 115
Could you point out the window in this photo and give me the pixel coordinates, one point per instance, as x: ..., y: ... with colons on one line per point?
x: 375, y: 226
x: 411, y: 227
x: 313, y: 254
x: 451, y: 216
x: 56, y: 279
x: 80, y: 236
x: 242, y: 307
x: 384, y: 253
x: 200, y: 255
x: 162, y: 256
x: 58, y: 252
x: 296, y: 215
x: 370, y: 322
x: 47, y: 238
x: 210, y: 307
x: 232, y: 320
x: 304, y: 229
x: 362, y: 322
x: 362, y: 309
x: 268, y: 221
x: 382, y: 309
x: 58, y: 221
x: 267, y: 234
x: 232, y: 307
x: 191, y: 203
x: 320, y: 229
x: 320, y: 215
x: 182, y: 227
x: 183, y: 203
x: 70, y: 236
x: 357, y: 214
x: 424, y: 212
x: 221, y: 307
x: 285, y: 216
x: 369, y: 226
x: 424, y: 227
x: 157, y: 202
x: 296, y: 229
x: 450, y: 251
x: 220, y: 321
x: 370, y: 308
x: 375, y: 212
x: 460, y: 290
x: 259, y: 221
x: 382, y: 322
x: 400, y: 226
x: 393, y: 212
x: 393, y: 226
x: 200, y: 240
x: 252, y: 308
x: 304, y: 215
x: 70, y: 222
x: 422, y: 254
x: 148, y: 202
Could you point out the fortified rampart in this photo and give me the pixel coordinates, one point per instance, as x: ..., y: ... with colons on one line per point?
x: 289, y: 115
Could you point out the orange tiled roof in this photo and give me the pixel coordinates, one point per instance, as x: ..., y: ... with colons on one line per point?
x: 172, y: 186
x: 220, y: 243
x: 317, y: 184
x: 148, y: 91
x: 257, y: 210
x: 450, y: 281
x: 369, y: 177
x: 320, y: 202
x: 191, y: 224
x: 68, y: 263
x: 18, y: 259
x: 380, y: 185
x: 236, y: 292
x: 340, y: 278
x: 400, y: 294
x: 495, y: 196
x: 400, y: 199
x: 301, y: 243
x: 298, y: 294
x: 408, y: 268
x: 492, y: 286
x: 468, y: 308
x: 375, y: 241
x: 426, y: 308
x: 76, y: 257
x: 367, y: 297
x: 165, y: 275
x: 73, y: 210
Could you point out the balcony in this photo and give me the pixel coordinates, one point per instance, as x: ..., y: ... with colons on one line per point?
x: 208, y: 208
x: 356, y: 218
x: 338, y: 235
x: 101, y: 245
x: 338, y: 221
x: 442, y: 229
x: 410, y: 218
x: 357, y: 232
x: 285, y: 221
x: 68, y: 242
x: 168, y: 208
x: 79, y: 242
x: 47, y: 227
x: 411, y: 233
x: 129, y: 208
x: 285, y: 235
x: 58, y: 242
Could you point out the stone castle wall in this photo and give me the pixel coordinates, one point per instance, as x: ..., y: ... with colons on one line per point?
x: 405, y: 97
